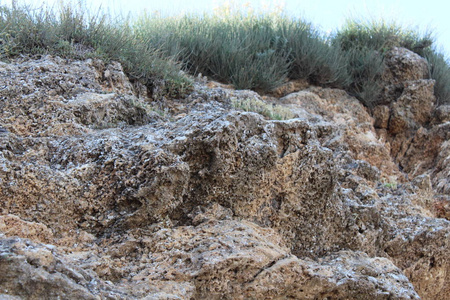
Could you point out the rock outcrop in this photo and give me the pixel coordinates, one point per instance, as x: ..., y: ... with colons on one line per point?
x: 414, y: 127
x: 107, y: 194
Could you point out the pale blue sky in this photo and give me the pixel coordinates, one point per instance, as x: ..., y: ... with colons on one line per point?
x: 326, y: 14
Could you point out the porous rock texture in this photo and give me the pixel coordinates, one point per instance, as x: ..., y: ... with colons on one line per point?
x: 416, y: 129
x: 108, y: 194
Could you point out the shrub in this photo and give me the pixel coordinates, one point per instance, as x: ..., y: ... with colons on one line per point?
x: 248, y: 50
x: 237, y: 49
x: 364, y: 45
x: 312, y: 56
x: 365, y: 67
x: 440, y: 71
x: 26, y: 30
x: 380, y: 36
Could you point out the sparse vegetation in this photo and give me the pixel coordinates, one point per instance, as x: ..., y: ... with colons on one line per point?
x: 77, y: 33
x: 439, y: 71
x: 380, y: 36
x: 246, y: 49
x: 272, y: 112
x: 390, y: 184
x: 365, y: 67
x: 365, y: 43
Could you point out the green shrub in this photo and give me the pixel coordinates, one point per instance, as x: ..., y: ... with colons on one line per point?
x: 365, y: 44
x: 440, y: 71
x: 312, y: 56
x: 63, y: 32
x: 25, y: 31
x: 380, y: 36
x: 249, y: 50
x: 237, y: 49
x: 365, y: 67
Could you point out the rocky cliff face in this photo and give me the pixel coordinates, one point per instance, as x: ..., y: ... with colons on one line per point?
x: 107, y: 194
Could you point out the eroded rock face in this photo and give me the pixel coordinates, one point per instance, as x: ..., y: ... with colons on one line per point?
x: 53, y: 96
x: 106, y: 195
x: 352, y: 126
x: 417, y: 130
x: 404, y: 65
x: 418, y: 134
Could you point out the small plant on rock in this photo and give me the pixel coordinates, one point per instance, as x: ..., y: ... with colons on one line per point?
x: 272, y: 112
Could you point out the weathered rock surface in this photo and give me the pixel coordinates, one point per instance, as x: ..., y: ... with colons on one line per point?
x: 108, y: 195
x: 416, y: 130
x: 404, y: 65
x: 352, y: 126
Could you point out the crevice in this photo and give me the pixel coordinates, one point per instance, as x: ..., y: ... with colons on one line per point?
x: 268, y: 266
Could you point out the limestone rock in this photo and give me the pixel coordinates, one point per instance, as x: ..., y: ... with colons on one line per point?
x: 442, y: 114
x: 413, y: 108
x: 381, y: 116
x: 52, y: 96
x: 442, y: 208
x: 441, y: 173
x: 363, y: 278
x: 404, y: 65
x: 417, y: 130
x: 13, y: 226
x: 351, y: 123
x: 426, y: 266
x: 289, y: 88
x: 108, y: 196
x: 36, y: 271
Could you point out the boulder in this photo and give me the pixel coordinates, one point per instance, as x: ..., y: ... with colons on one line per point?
x: 414, y: 128
x: 403, y: 65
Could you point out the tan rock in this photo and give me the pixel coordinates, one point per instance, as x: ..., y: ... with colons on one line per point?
x: 32, y: 271
x: 289, y: 88
x: 442, y: 114
x: 442, y: 208
x: 416, y: 131
x: 354, y: 125
x: 425, y: 266
x: 413, y: 108
x: 441, y: 173
x: 214, y: 203
x: 300, y: 279
x: 12, y: 225
x: 404, y: 65
x: 381, y: 116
